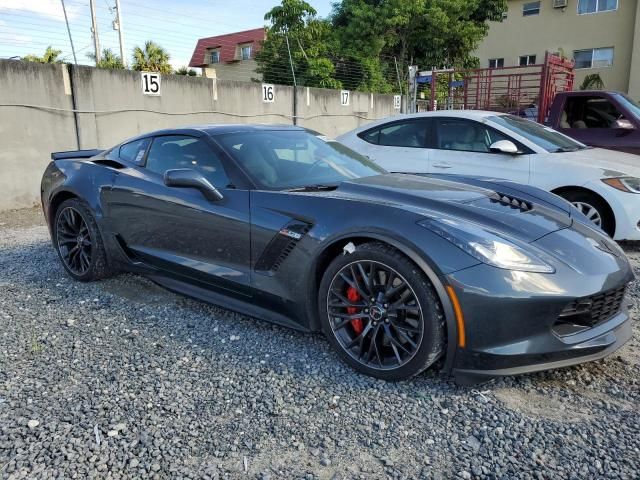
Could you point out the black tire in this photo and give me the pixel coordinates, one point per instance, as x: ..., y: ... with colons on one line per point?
x: 427, y: 321
x: 583, y: 200
x: 94, y: 264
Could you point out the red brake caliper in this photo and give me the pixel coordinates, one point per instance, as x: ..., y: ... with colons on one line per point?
x: 356, y: 323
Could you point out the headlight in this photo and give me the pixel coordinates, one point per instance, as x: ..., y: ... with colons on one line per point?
x: 625, y: 184
x: 487, y: 246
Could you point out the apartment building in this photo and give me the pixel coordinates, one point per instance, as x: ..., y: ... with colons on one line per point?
x: 229, y: 57
x: 602, y: 36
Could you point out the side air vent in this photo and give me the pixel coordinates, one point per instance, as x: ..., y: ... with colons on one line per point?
x: 281, y: 246
x: 109, y: 163
x: 511, y: 201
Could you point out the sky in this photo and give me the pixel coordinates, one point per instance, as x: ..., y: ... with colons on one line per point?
x: 29, y: 26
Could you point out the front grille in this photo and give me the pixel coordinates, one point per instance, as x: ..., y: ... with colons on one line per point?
x: 511, y: 201
x: 587, y: 312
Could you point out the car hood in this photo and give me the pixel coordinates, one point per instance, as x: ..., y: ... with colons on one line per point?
x: 519, y: 217
x: 612, y: 163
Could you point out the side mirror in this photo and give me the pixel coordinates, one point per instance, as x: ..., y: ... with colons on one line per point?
x: 504, y: 146
x: 187, y: 178
x: 623, y: 124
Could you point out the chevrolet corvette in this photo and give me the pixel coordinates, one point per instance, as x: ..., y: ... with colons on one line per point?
x: 477, y: 277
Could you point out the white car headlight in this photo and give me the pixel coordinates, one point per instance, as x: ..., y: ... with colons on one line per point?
x: 486, y: 246
x: 624, y: 184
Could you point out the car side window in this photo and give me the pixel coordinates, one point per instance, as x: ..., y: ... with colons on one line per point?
x: 134, y: 151
x: 589, y: 112
x: 182, y: 151
x: 466, y: 135
x: 408, y: 133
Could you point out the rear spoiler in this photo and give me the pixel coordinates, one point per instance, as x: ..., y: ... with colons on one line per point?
x: 75, y: 154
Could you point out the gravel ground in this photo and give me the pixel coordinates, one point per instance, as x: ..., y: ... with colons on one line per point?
x: 121, y: 379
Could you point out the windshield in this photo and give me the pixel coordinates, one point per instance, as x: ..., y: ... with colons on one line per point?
x: 631, y: 105
x: 281, y: 159
x: 543, y: 137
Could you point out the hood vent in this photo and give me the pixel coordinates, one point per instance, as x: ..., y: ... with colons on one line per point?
x: 281, y: 246
x: 511, y: 201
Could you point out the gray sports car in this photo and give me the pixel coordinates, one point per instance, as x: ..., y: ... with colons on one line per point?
x: 480, y: 277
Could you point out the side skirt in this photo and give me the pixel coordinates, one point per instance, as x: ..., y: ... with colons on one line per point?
x: 230, y: 303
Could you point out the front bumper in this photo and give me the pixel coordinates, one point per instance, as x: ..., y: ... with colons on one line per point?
x: 511, y: 320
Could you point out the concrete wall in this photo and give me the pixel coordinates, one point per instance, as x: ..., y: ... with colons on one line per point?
x: 555, y: 29
x: 111, y: 108
x: 27, y: 135
x: 321, y: 110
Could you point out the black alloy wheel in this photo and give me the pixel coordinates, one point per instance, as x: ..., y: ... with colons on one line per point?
x: 74, y: 241
x: 78, y: 242
x: 381, y: 313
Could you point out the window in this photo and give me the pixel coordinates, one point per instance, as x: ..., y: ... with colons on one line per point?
x: 496, y: 62
x: 596, y: 6
x: 531, y: 8
x: 466, y: 135
x: 543, y: 137
x: 527, y: 60
x: 134, y: 151
x: 214, y: 56
x: 282, y: 159
x: 181, y: 151
x: 593, y: 58
x: 245, y: 52
x: 412, y: 133
x: 590, y: 112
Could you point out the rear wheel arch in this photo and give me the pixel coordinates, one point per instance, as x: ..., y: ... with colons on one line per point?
x: 566, y: 191
x: 336, y: 247
x: 55, y: 203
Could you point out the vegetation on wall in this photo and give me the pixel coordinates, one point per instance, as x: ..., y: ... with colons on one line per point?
x: 50, y: 56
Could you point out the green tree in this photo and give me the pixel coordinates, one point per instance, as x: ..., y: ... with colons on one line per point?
x: 311, y: 42
x: 430, y: 33
x: 153, y: 58
x: 50, y: 56
x: 108, y: 60
x: 186, y: 71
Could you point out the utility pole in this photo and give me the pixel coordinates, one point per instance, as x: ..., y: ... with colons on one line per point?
x: 66, y: 20
x: 94, y: 28
x: 118, y: 26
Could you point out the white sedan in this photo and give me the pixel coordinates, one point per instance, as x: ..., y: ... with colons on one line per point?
x: 602, y: 184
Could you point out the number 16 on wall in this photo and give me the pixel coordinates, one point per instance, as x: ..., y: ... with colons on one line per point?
x: 150, y: 83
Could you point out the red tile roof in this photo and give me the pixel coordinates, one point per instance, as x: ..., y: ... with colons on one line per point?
x: 227, y: 45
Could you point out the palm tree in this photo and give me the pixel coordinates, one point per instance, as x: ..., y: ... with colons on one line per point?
x: 50, y: 56
x: 107, y: 60
x: 592, y: 82
x: 153, y: 58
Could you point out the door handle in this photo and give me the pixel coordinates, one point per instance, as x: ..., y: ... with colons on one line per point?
x: 442, y: 165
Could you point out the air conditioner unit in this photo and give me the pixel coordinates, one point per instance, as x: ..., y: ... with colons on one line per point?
x: 560, y: 3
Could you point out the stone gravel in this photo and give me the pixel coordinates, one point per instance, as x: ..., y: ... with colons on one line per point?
x: 122, y: 379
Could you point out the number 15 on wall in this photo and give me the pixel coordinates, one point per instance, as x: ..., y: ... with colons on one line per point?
x: 150, y: 83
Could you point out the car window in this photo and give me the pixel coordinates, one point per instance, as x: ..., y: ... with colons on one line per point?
x: 134, y: 151
x: 589, y: 112
x: 282, y: 159
x: 180, y: 151
x: 466, y: 135
x: 544, y: 137
x: 409, y: 133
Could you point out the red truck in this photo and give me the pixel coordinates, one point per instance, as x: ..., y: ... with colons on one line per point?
x: 598, y: 118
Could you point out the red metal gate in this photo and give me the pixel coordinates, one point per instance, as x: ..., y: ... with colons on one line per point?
x: 526, y: 90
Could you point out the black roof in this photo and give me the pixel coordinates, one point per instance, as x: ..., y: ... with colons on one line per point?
x: 218, y: 129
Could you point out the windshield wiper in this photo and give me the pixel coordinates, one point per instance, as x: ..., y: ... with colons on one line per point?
x: 565, y: 149
x: 313, y: 188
